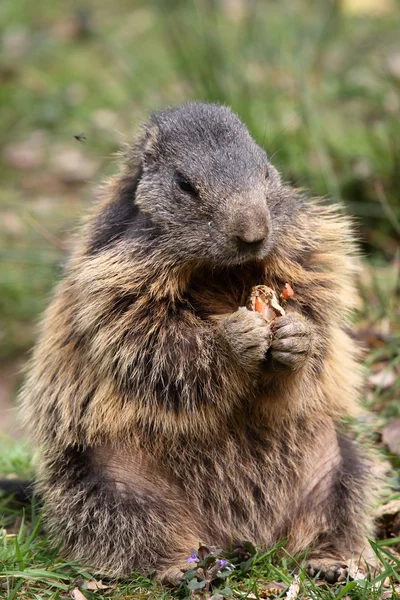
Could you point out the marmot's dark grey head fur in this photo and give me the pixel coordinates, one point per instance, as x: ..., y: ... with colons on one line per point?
x: 196, y: 169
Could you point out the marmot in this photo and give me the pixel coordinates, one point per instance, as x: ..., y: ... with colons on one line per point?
x: 166, y: 412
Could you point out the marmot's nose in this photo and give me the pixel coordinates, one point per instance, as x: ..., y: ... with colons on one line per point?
x: 250, y: 225
x: 252, y: 239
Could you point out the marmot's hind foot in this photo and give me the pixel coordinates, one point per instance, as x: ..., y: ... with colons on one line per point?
x: 172, y: 576
x: 329, y: 570
x: 334, y: 570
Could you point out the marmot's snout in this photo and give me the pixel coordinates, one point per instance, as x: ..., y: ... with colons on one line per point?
x: 250, y: 226
x: 252, y: 235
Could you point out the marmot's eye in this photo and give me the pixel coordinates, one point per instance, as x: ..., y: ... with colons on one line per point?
x: 185, y: 185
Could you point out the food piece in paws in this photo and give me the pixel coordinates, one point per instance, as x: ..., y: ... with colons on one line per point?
x: 287, y: 292
x: 264, y: 300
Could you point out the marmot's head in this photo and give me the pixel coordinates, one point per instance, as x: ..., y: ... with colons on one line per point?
x: 197, y: 186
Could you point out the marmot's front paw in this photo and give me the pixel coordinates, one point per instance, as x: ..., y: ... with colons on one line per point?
x: 248, y: 335
x: 291, y: 342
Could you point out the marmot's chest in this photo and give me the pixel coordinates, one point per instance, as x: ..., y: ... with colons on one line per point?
x: 219, y: 292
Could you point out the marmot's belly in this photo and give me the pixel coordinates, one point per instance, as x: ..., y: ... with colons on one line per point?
x: 237, y: 491
x: 258, y: 491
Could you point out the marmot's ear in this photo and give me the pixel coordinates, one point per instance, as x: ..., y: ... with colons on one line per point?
x: 149, y: 144
x: 273, y: 174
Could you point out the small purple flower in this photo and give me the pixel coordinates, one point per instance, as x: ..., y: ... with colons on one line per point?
x: 193, y: 558
x: 222, y: 564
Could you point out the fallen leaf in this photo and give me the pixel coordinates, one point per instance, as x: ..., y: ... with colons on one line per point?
x: 355, y: 573
x: 269, y: 590
x: 76, y: 594
x: 275, y: 588
x: 392, y: 508
x: 95, y: 585
x: 387, y: 520
x: 294, y: 588
x: 391, y: 594
x: 391, y: 436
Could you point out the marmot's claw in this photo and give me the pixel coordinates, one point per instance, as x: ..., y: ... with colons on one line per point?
x: 331, y: 572
x: 291, y: 343
x: 249, y: 336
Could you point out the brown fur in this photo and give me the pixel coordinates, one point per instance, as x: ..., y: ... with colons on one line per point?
x: 158, y: 426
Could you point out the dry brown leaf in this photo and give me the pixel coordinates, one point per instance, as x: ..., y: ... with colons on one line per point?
x: 276, y: 586
x: 392, y: 508
x: 76, y: 594
x: 95, y: 585
x: 294, y: 588
x: 391, y: 594
x: 391, y: 436
x: 272, y: 589
x: 355, y: 573
x: 387, y: 521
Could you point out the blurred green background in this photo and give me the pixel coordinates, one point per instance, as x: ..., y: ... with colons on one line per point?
x: 317, y: 83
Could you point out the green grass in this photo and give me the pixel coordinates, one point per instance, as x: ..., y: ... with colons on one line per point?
x: 318, y: 89
x: 30, y: 568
